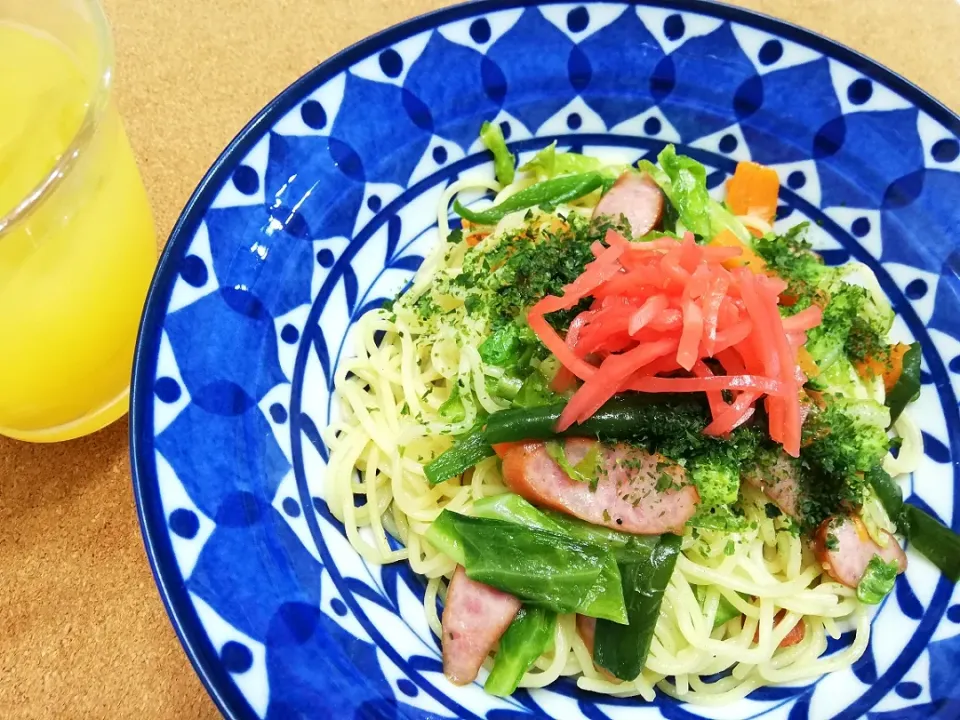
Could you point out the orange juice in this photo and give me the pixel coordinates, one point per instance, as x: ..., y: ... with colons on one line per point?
x: 75, y: 267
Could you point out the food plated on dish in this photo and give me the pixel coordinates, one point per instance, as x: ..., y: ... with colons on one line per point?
x: 633, y: 435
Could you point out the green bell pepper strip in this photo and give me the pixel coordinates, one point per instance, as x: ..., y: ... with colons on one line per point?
x: 935, y: 541
x: 907, y: 387
x: 640, y: 417
x: 547, y: 194
x: 623, y: 650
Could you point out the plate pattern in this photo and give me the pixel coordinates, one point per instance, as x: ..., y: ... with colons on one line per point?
x: 324, y: 206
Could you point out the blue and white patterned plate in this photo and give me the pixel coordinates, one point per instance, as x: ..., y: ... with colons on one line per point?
x: 324, y: 205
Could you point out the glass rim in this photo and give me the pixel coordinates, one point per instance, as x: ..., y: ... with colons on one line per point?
x: 96, y: 106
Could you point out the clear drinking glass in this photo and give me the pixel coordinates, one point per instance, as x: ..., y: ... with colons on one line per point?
x: 77, y: 242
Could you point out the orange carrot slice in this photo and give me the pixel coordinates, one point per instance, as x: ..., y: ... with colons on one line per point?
x: 753, y: 190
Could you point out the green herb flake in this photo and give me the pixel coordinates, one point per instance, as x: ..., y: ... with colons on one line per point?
x: 664, y: 482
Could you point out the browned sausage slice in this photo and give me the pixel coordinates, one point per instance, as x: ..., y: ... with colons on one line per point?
x: 796, y: 634
x: 474, y: 617
x: 587, y: 629
x: 635, y: 196
x: 844, y: 549
x: 778, y: 481
x: 625, y: 497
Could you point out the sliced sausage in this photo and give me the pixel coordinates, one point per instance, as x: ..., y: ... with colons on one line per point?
x: 778, y: 481
x: 625, y: 497
x: 635, y: 196
x: 795, y: 635
x: 844, y: 548
x: 474, y: 617
x: 586, y: 629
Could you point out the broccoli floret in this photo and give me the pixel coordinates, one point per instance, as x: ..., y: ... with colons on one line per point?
x: 715, y: 470
x: 510, y: 346
x: 870, y: 327
x: 841, y: 442
x: 853, y: 325
x: 792, y: 258
x: 717, y: 478
x: 847, y: 437
x: 534, y: 262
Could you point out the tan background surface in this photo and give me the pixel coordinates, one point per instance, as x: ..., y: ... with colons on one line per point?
x: 83, y: 633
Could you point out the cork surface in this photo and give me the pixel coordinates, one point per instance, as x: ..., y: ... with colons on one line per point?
x: 83, y: 633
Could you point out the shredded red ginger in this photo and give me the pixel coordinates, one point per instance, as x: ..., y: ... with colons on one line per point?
x: 664, y: 306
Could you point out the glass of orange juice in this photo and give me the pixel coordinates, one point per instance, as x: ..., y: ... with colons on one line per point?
x: 77, y: 242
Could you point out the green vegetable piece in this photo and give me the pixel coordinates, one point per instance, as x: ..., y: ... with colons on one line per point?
x: 506, y: 346
x: 877, y: 580
x: 543, y: 569
x: 838, y: 375
x: 907, y: 388
x: 888, y: 492
x: 624, y: 546
x: 726, y: 610
x: 589, y: 465
x: 513, y: 508
x: 464, y: 454
x: 452, y: 409
x: 503, y: 160
x: 717, y: 479
x: 510, y: 507
x: 640, y: 417
x: 684, y: 182
x: 938, y: 543
x: 847, y: 438
x: 623, y: 650
x: 543, y: 165
x: 557, y: 453
x: 547, y: 194
x: 535, y: 392
x: 506, y: 386
x: 442, y: 534
x: 548, y: 163
x: 853, y: 325
x: 528, y: 637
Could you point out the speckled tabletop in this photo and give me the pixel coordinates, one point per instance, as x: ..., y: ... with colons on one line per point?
x: 83, y: 633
